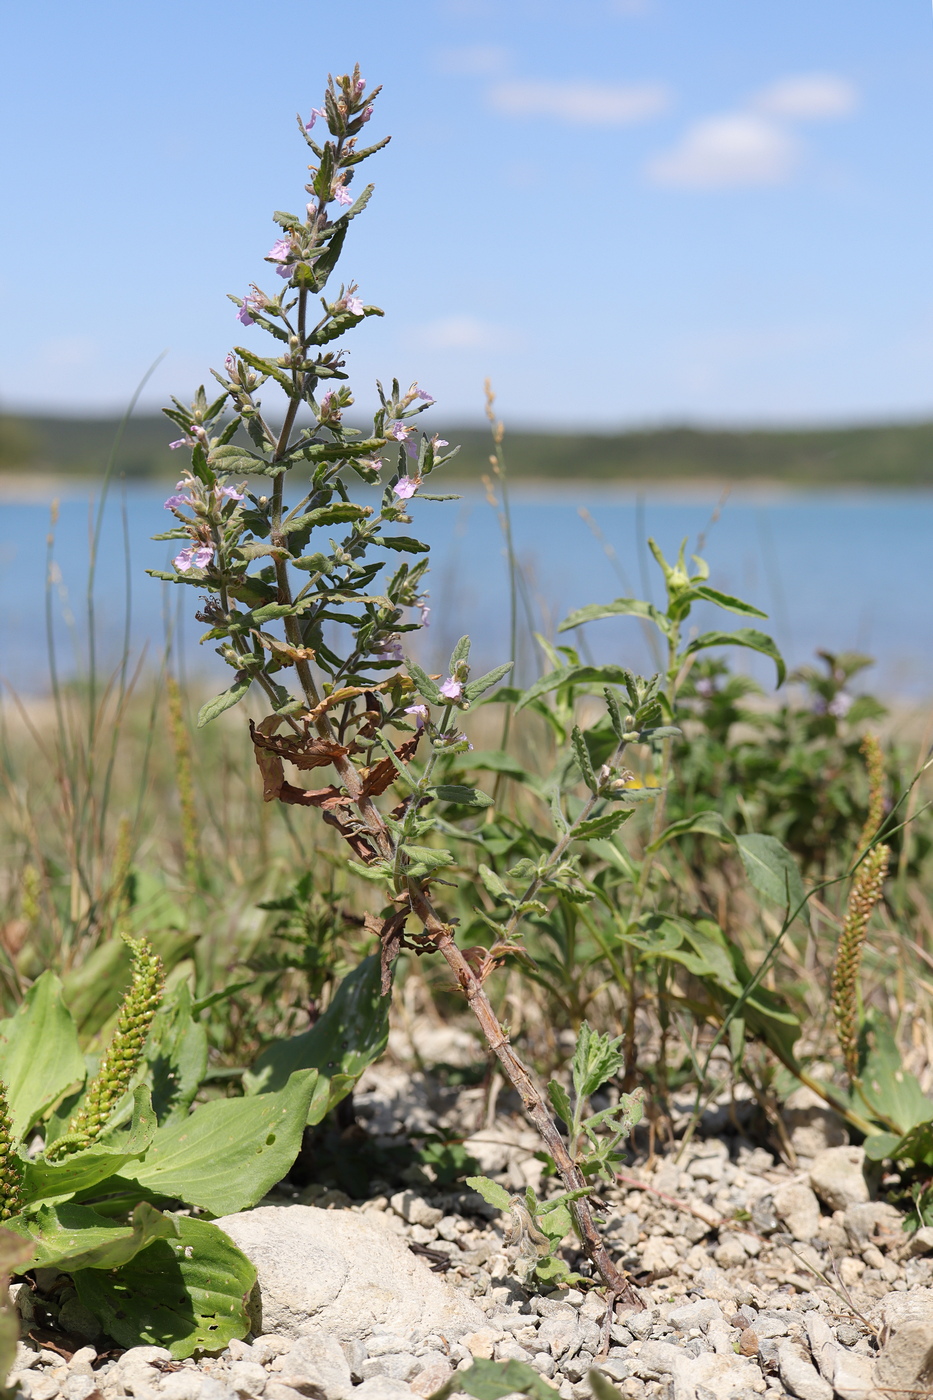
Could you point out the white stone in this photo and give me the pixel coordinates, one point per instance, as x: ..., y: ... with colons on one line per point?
x: 800, y: 1378
x: 905, y: 1362
x: 838, y: 1178
x: 343, y: 1272
x: 796, y: 1204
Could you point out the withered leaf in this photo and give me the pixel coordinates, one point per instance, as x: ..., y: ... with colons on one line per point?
x: 384, y: 773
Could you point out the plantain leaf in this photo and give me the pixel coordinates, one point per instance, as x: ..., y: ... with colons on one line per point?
x: 39, y: 1053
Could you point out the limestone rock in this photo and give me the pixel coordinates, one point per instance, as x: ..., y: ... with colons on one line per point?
x: 905, y: 1362
x: 837, y: 1176
x: 800, y: 1378
x: 811, y: 1124
x: 343, y: 1273
x: 796, y: 1204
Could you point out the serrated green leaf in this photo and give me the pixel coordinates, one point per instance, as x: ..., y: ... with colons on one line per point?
x: 561, y: 1100
x: 727, y: 601
x: 582, y: 754
x: 479, y: 687
x: 632, y: 607
x: 492, y: 1193
x: 493, y: 884
x: 596, y: 1059
x: 597, y: 828
x: 572, y: 675
x: 226, y: 700
x: 402, y: 544
x: 465, y: 796
x: 426, y: 687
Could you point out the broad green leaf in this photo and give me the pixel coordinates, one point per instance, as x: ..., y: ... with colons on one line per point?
x: 465, y: 796
x: 490, y: 1380
x: 71, y: 1236
x: 176, y: 1052
x: 741, y: 637
x: 352, y: 1033
x: 225, y: 700
x: 708, y: 823
x: 492, y: 1193
x: 51, y: 1180
x: 187, y: 1294
x: 891, y: 1092
x: 226, y: 1155
x: 881, y: 1145
x: 338, y: 513
x: 773, y: 871
x: 39, y: 1053
x: 597, y: 828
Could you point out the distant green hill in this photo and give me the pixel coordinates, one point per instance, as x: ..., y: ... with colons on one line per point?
x: 888, y: 455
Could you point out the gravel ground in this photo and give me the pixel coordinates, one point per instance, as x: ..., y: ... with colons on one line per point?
x: 757, y: 1278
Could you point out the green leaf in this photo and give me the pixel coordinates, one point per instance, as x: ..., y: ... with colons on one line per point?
x: 773, y: 871
x: 402, y: 544
x: 560, y: 1100
x: 479, y: 687
x: 464, y: 796
x: 39, y: 1053
x: 492, y: 1193
x: 494, y: 884
x: 602, y: 1388
x: 225, y: 701
x: 573, y: 675
x: 490, y: 1380
x: 582, y: 755
x: 176, y: 1052
x: 709, y: 823
x: 596, y: 1059
x: 226, y: 1155
x: 599, y: 827
x: 50, y: 1181
x: 882, y: 1145
x: 71, y: 1236
x: 187, y: 1294
x: 352, y: 1033
x: 892, y: 1093
x: 336, y: 514
x: 726, y: 600
x: 741, y: 637
x: 426, y: 687
x: 631, y: 607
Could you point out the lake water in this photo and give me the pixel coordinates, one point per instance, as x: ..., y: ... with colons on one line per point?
x: 840, y: 571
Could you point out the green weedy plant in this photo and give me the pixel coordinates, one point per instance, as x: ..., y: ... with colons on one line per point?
x: 302, y: 621
x: 122, y: 1150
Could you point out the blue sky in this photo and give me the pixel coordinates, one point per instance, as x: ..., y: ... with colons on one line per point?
x: 624, y: 211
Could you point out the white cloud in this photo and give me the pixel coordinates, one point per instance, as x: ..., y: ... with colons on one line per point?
x: 808, y: 97
x: 463, y: 333
x: 732, y: 150
x: 589, y: 104
x: 475, y: 61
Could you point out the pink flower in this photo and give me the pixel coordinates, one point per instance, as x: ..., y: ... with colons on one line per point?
x: 402, y: 433
x: 342, y: 194
x: 177, y: 501
x: 280, y: 252
x: 390, y: 648
x: 315, y: 113
x: 452, y: 689
x: 420, y: 712
x: 425, y: 612
x: 330, y: 410
x: 229, y: 493
x: 255, y: 301
x: 196, y: 556
x: 437, y: 442
x: 373, y: 463
x: 420, y: 394
x: 367, y: 113
x: 354, y: 306
x: 360, y: 85
x: 181, y: 442
x: 406, y: 487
